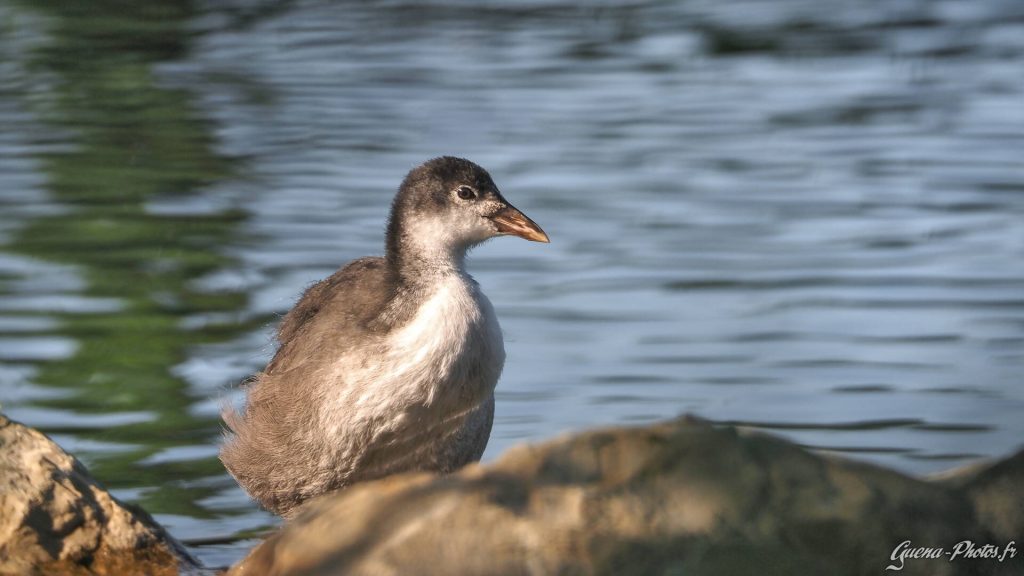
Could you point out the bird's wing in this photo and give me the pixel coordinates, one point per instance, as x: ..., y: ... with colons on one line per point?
x: 334, y: 312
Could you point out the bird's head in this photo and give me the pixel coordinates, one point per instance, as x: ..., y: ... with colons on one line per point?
x: 448, y: 205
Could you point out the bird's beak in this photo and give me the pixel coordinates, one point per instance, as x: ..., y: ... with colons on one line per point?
x: 512, y: 221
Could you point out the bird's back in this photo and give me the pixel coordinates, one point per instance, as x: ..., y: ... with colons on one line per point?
x: 333, y: 408
x: 269, y: 443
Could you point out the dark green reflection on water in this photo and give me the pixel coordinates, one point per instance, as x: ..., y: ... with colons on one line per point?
x: 130, y: 141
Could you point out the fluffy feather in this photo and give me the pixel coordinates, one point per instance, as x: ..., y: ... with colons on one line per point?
x: 388, y: 365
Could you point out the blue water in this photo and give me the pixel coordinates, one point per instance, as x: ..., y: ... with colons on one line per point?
x: 803, y: 217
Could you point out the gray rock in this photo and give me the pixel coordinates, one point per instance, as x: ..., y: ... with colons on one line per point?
x: 56, y: 519
x: 683, y: 497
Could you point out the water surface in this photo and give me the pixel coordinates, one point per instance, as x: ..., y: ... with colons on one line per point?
x: 804, y: 217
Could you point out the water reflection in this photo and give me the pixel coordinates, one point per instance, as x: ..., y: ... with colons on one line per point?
x: 799, y: 217
x: 100, y: 304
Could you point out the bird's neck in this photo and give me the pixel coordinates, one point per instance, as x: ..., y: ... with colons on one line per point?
x: 422, y: 252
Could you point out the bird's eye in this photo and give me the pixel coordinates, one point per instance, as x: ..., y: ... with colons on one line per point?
x: 466, y: 193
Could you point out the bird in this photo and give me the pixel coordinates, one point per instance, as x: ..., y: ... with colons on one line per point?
x: 390, y: 364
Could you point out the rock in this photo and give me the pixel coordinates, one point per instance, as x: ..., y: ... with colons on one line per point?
x: 56, y: 519
x: 997, y: 491
x: 684, y: 497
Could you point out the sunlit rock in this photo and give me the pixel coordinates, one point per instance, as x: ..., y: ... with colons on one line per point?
x: 683, y: 497
x: 56, y: 519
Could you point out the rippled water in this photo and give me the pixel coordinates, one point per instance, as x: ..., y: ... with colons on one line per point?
x: 806, y: 217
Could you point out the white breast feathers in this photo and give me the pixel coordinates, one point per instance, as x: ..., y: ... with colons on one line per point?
x: 426, y: 377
